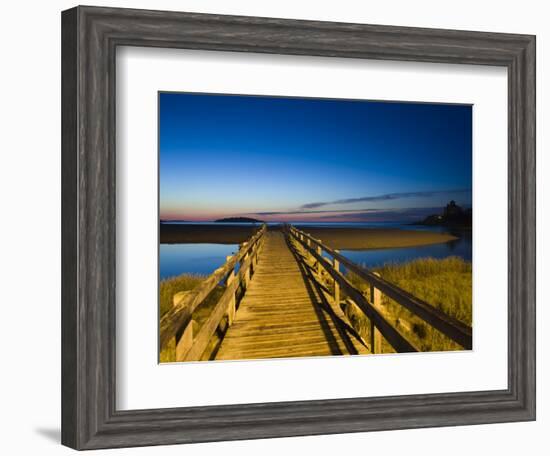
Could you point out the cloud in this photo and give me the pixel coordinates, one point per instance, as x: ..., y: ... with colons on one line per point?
x: 385, y: 197
x: 412, y: 213
x: 311, y: 212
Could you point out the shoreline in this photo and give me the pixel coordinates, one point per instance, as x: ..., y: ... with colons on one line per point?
x: 335, y: 237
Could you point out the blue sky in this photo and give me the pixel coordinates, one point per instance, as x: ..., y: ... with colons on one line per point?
x: 304, y: 159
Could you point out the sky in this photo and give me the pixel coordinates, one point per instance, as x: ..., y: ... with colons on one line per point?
x: 307, y: 159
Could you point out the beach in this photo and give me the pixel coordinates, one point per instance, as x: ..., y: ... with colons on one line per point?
x: 337, y: 237
x: 374, y: 238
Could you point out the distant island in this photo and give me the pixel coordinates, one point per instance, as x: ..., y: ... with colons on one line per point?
x: 238, y: 220
x: 453, y: 215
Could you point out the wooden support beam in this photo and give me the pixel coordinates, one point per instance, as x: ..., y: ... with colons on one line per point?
x: 179, y: 296
x: 375, y: 334
x: 336, y: 265
x: 232, y: 306
x: 319, y: 252
x: 186, y: 341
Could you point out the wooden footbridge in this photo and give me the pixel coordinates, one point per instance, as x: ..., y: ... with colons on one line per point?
x: 283, y: 295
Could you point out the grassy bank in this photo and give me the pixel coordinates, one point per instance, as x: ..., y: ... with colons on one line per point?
x: 445, y: 284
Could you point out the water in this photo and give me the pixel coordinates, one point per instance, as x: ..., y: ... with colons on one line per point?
x: 461, y: 247
x: 176, y: 259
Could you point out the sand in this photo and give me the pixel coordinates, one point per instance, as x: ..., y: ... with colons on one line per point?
x: 337, y: 238
x: 206, y: 234
x: 375, y: 238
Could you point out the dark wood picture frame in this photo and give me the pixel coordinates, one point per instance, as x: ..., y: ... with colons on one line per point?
x: 90, y: 36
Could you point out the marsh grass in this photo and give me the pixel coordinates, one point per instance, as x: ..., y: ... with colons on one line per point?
x: 445, y: 284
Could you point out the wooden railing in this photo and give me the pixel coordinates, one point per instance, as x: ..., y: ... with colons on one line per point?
x: 371, y: 306
x: 177, y: 325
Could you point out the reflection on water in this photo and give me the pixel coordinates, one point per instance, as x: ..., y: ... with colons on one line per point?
x: 176, y: 259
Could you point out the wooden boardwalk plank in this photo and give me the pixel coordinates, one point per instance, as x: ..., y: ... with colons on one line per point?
x: 281, y: 314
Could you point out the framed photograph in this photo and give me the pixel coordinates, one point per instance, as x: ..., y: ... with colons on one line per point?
x: 279, y: 228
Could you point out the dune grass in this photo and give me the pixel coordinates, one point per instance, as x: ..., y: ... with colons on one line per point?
x: 445, y: 284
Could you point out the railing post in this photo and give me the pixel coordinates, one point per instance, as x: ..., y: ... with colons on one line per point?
x: 253, y: 257
x: 231, y: 308
x: 185, y: 342
x: 247, y: 272
x: 246, y: 278
x: 319, y: 252
x: 375, y: 334
x: 336, y: 265
x: 186, y: 339
x: 256, y: 251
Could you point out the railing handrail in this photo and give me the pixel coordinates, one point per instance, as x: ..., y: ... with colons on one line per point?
x: 449, y: 326
x: 180, y: 313
x: 396, y: 340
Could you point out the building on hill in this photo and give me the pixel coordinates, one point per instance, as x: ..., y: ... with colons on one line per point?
x: 452, y: 211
